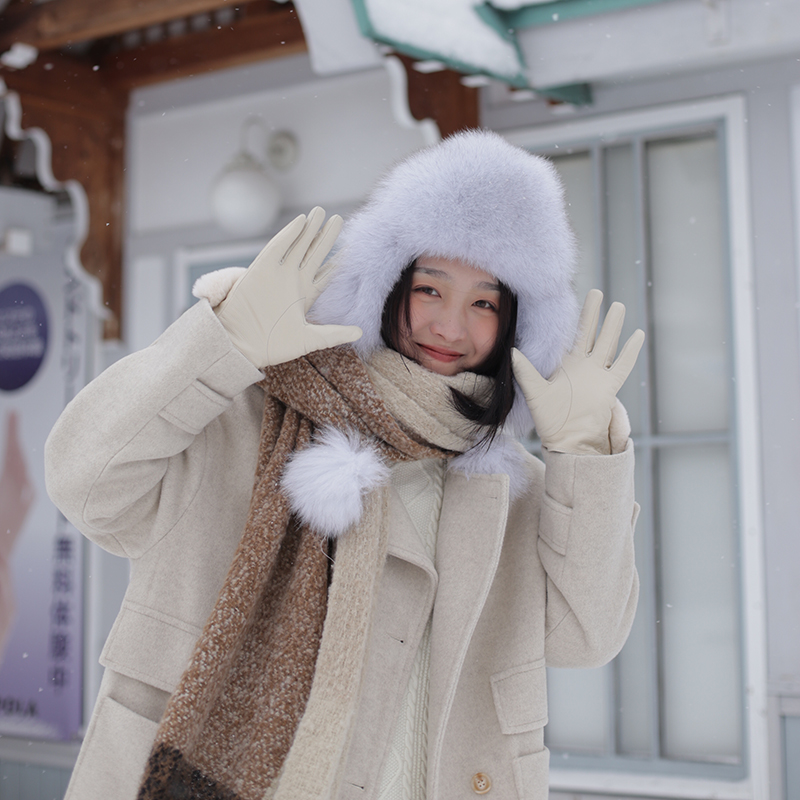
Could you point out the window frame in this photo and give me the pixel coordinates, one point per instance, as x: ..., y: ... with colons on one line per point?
x: 728, y: 114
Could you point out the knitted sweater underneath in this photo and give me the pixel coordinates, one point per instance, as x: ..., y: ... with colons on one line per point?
x: 420, y: 485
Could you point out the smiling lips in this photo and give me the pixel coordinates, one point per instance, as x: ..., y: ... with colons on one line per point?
x: 440, y: 353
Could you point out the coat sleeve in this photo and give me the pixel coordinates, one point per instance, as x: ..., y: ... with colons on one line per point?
x: 585, y: 544
x: 126, y: 456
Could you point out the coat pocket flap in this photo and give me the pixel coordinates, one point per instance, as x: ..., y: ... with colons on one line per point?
x: 554, y: 524
x: 150, y: 646
x: 520, y: 697
x: 194, y: 408
x: 531, y: 774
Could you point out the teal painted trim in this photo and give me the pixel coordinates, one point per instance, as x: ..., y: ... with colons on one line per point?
x: 497, y: 22
x: 576, y: 94
x: 518, y: 81
x: 560, y: 10
x: 362, y: 17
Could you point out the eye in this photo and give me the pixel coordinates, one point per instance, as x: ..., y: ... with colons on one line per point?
x: 487, y: 304
x: 424, y: 289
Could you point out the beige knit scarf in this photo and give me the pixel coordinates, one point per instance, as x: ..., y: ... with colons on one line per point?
x: 265, y: 706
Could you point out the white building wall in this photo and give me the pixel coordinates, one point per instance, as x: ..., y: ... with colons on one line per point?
x: 182, y: 134
x: 662, y: 38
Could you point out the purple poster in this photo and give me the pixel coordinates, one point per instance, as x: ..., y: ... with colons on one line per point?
x: 43, y: 343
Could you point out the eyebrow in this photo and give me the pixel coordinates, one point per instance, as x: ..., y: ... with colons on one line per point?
x: 445, y: 276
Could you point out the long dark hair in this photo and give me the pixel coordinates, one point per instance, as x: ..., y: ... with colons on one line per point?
x: 396, y: 323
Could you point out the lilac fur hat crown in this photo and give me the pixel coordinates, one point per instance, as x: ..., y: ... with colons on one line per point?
x: 477, y: 198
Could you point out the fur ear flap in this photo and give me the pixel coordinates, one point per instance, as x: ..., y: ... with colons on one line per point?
x: 504, y: 455
x: 214, y: 286
x: 326, y: 482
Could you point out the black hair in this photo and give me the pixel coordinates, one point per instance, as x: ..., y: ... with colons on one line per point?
x: 396, y: 323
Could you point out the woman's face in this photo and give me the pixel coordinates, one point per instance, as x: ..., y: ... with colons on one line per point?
x: 454, y: 315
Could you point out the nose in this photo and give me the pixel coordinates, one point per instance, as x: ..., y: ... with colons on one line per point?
x: 449, y: 325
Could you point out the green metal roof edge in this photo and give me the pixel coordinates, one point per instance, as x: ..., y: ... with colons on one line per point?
x: 560, y: 10
x: 576, y: 94
x: 362, y: 17
x: 518, y: 81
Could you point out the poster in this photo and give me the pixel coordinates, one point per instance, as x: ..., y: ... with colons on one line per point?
x: 44, y: 341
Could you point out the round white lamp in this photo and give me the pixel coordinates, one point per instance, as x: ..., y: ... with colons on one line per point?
x: 245, y: 198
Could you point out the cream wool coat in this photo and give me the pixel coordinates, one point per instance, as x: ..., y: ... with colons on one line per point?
x: 155, y: 460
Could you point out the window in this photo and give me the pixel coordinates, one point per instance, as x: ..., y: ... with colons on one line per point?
x: 192, y: 263
x: 652, y: 207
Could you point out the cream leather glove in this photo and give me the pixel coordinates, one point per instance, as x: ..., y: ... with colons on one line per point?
x: 572, y: 410
x: 265, y: 311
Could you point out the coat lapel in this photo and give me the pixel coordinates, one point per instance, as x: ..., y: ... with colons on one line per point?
x: 471, y: 529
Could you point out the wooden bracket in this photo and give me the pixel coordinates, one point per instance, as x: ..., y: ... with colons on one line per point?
x: 442, y: 97
x: 81, y: 101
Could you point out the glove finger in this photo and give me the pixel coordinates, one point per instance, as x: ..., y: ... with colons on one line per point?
x: 321, y: 337
x: 280, y: 243
x: 258, y: 275
x: 314, y: 277
x: 528, y: 377
x: 587, y: 324
x: 607, y: 340
x: 299, y: 247
x: 626, y: 361
x: 320, y: 247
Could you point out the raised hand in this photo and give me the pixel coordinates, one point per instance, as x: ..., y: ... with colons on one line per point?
x: 265, y: 310
x: 572, y: 410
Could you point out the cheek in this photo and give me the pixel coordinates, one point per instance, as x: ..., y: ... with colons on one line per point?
x: 416, y: 310
x: 486, y: 334
x: 406, y: 335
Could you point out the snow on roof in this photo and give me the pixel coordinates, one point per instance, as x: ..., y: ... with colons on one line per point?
x: 450, y: 30
x: 513, y: 5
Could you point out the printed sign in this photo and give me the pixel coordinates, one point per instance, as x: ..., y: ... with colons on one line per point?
x: 44, y: 339
x: 23, y: 335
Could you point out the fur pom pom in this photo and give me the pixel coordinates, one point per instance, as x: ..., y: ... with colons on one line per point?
x: 620, y: 428
x: 214, y: 286
x: 326, y: 482
x: 505, y: 455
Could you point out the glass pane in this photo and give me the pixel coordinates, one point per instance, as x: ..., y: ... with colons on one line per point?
x: 698, y: 606
x: 635, y: 664
x: 578, y: 710
x: 689, y: 297
x: 578, y: 176
x: 624, y: 263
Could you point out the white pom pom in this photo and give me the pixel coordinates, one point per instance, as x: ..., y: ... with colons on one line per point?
x: 620, y: 428
x: 326, y: 482
x: 214, y: 286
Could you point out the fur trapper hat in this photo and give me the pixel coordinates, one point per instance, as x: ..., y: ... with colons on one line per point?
x: 473, y: 197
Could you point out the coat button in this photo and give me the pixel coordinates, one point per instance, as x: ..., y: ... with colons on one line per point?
x: 481, y: 783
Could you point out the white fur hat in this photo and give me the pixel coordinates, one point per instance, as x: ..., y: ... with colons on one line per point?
x: 477, y: 198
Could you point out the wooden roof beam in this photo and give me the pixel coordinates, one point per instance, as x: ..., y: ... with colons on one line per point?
x: 49, y: 26
x: 245, y: 40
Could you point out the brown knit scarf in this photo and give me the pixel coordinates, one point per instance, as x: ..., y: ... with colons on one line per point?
x: 271, y: 688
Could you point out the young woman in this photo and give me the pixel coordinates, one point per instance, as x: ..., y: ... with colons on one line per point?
x: 372, y: 615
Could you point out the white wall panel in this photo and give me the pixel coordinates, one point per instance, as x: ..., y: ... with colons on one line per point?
x: 661, y: 38
x: 347, y: 134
